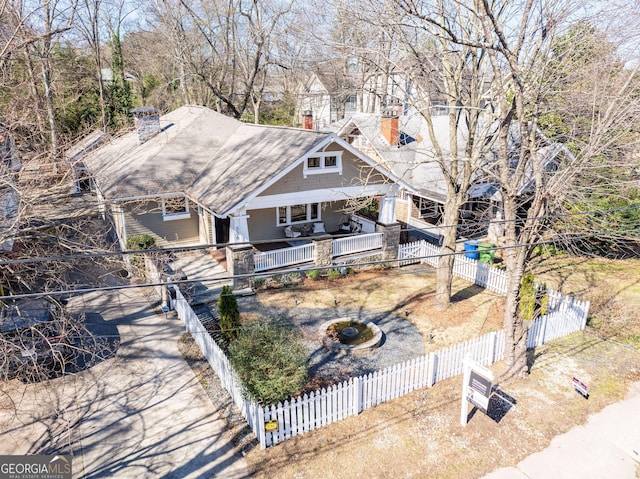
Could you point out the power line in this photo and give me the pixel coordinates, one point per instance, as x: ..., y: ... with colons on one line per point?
x: 397, y: 262
x: 179, y: 249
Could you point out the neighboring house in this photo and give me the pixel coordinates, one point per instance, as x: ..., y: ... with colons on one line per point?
x: 195, y: 177
x: 324, y: 98
x: 107, y: 76
x: 10, y: 165
x: 402, y: 145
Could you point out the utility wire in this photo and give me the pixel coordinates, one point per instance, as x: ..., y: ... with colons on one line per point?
x: 259, y: 274
x: 179, y: 249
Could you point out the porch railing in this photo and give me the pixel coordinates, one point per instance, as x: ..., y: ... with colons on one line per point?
x: 280, y: 258
x: 357, y: 244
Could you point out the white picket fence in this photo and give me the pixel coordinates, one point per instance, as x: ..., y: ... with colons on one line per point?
x: 565, y: 315
x: 356, y: 244
x: 280, y: 258
x: 482, y: 274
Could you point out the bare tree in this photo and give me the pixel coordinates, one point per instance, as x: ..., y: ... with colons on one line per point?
x: 39, y: 29
x: 500, y: 54
x: 519, y: 42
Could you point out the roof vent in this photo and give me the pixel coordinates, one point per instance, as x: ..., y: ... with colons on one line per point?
x: 147, y: 120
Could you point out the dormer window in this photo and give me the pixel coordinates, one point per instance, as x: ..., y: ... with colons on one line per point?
x: 326, y: 162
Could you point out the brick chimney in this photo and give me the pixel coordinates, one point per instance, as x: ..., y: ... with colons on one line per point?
x: 389, y: 128
x: 307, y: 120
x: 147, y: 121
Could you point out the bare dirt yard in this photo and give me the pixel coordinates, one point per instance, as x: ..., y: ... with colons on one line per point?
x: 419, y: 435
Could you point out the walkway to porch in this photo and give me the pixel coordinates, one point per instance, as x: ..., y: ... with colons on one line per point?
x: 208, y: 275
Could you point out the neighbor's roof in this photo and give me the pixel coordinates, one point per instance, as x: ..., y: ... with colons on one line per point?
x: 215, y: 159
x: 413, y: 162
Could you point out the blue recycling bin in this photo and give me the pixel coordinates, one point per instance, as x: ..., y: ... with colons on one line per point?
x: 471, y: 249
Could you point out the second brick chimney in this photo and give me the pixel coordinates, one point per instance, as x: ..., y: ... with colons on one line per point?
x: 389, y: 128
x: 307, y: 120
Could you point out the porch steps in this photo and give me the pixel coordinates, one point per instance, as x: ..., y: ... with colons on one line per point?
x: 209, y: 277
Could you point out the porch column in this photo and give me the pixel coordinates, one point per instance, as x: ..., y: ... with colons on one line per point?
x: 239, y: 228
x: 323, y: 250
x: 121, y: 225
x: 387, y: 213
x: 390, y: 240
x: 240, y: 261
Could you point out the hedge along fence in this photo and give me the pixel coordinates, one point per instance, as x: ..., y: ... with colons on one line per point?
x: 275, y: 423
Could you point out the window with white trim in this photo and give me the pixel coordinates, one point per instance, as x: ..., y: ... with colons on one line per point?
x: 175, y: 208
x: 325, y: 162
x: 296, y: 214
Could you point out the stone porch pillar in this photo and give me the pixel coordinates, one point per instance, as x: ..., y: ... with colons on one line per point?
x: 323, y: 250
x: 240, y: 261
x: 390, y: 240
x: 387, y: 213
x: 388, y: 225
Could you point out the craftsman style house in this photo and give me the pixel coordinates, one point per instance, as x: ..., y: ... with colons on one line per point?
x: 195, y: 177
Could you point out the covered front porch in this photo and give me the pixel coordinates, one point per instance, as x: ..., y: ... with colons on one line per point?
x: 300, y: 252
x: 313, y: 235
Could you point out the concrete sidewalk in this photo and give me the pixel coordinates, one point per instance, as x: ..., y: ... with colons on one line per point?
x: 608, y: 445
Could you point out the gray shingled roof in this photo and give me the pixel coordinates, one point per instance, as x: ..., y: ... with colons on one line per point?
x: 215, y: 159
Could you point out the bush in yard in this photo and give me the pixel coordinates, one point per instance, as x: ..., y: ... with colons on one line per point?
x: 333, y: 273
x: 314, y: 274
x: 269, y: 360
x: 534, y: 301
x: 229, y: 314
x: 141, y: 242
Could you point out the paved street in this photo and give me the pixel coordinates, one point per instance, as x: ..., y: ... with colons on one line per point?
x: 608, y: 445
x: 140, y: 413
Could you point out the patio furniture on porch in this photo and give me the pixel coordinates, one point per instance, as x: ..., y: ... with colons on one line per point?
x: 318, y: 228
x: 289, y: 232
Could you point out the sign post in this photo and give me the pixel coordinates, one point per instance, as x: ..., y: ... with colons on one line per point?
x: 476, y: 388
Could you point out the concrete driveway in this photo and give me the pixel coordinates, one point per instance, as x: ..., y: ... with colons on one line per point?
x: 138, y: 413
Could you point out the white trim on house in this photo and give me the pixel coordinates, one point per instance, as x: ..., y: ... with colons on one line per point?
x: 309, y: 211
x: 175, y: 215
x: 318, y: 196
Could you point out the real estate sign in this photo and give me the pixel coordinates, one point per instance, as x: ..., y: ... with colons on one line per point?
x: 476, y: 388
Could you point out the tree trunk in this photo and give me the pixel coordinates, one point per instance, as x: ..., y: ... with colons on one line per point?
x: 444, y: 272
x: 35, y: 95
x: 48, y: 96
x: 515, y: 330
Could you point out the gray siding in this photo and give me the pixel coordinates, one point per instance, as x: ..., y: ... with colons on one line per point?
x: 262, y: 222
x: 354, y: 172
x: 146, y: 218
